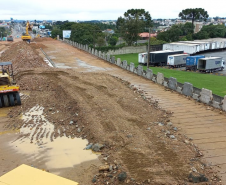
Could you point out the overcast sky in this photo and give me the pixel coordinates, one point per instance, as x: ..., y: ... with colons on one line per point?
x: 101, y: 9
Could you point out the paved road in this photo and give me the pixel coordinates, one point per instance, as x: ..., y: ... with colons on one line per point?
x: 206, y: 127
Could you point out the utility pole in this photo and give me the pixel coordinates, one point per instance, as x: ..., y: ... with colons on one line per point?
x: 149, y: 48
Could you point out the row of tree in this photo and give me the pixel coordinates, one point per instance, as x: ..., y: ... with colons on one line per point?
x: 135, y: 21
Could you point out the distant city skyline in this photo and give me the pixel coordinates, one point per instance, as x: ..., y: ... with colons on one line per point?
x: 100, y: 9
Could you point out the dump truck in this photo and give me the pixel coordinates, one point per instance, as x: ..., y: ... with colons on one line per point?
x: 159, y: 58
x: 178, y: 60
x: 191, y: 62
x: 9, y: 91
x: 210, y: 64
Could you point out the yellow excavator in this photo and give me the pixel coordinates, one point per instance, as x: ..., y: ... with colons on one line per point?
x: 26, y: 36
x: 9, y: 91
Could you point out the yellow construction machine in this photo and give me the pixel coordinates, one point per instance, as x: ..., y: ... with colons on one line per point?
x: 9, y: 91
x: 26, y: 36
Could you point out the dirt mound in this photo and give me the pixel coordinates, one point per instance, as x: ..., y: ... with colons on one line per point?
x: 43, y: 39
x: 103, y: 109
x: 23, y: 57
x: 37, y: 45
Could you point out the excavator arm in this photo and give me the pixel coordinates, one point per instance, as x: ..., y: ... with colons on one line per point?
x: 26, y: 36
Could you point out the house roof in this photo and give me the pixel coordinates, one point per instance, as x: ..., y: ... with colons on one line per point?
x: 146, y: 34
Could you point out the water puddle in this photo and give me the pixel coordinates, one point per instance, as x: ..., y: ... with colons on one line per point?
x: 62, y: 152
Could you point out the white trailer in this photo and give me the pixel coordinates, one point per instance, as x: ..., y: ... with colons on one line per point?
x: 178, y: 60
x: 210, y: 64
x: 187, y: 48
x: 201, y: 45
x: 212, y: 44
x: 142, y: 58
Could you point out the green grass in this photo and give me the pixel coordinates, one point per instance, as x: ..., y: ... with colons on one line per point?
x: 212, y: 82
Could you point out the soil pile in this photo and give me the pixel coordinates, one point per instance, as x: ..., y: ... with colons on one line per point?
x: 134, y: 135
x: 23, y: 57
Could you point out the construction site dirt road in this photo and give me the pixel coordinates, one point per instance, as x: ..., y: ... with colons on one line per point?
x: 137, y: 132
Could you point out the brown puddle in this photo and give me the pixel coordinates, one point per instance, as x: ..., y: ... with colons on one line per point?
x: 4, y: 112
x: 63, y: 152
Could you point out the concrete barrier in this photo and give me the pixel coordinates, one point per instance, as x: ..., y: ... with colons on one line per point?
x: 99, y: 54
x: 118, y: 63
x: 160, y: 78
x: 165, y: 84
x: 140, y: 70
x: 92, y: 51
x: 144, y: 74
x: 216, y: 104
x: 96, y: 52
x: 149, y: 74
x: 113, y: 59
x: 124, y: 64
x: 187, y: 89
x: 104, y: 56
x: 224, y: 103
x: 127, y: 68
x: 206, y: 96
x: 172, y: 83
x: 131, y: 67
x: 108, y: 58
x: 179, y: 90
x: 154, y: 79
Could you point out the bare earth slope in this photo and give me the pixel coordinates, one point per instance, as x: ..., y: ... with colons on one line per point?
x: 137, y: 135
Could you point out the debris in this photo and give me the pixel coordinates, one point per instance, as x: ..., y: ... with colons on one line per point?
x: 122, y: 176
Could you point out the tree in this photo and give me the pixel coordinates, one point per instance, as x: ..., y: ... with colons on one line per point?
x: 100, y: 41
x: 171, y: 35
x: 113, y: 40
x: 154, y: 41
x: 201, y: 35
x: 194, y: 14
x: 214, y: 30
x: 55, y: 32
x: 86, y: 33
x: 187, y: 28
x: 133, y: 22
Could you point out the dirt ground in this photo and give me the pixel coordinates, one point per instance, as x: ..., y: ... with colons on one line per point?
x: 136, y: 134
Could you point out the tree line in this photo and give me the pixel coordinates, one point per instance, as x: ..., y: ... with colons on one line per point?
x: 135, y: 21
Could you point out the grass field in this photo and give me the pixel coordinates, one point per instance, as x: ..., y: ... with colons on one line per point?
x: 212, y: 82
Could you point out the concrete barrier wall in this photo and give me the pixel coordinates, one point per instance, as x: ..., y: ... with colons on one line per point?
x: 160, y: 78
x: 118, y: 62
x: 187, y: 89
x: 124, y: 64
x: 126, y: 50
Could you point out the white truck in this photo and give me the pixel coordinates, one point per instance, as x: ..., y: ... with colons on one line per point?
x: 178, y: 60
x: 210, y: 64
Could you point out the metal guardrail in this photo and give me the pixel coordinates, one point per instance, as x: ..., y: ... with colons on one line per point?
x: 53, y: 64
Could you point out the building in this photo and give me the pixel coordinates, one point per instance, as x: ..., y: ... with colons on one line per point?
x: 198, y: 26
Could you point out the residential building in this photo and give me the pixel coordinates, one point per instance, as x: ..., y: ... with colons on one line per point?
x: 198, y: 26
